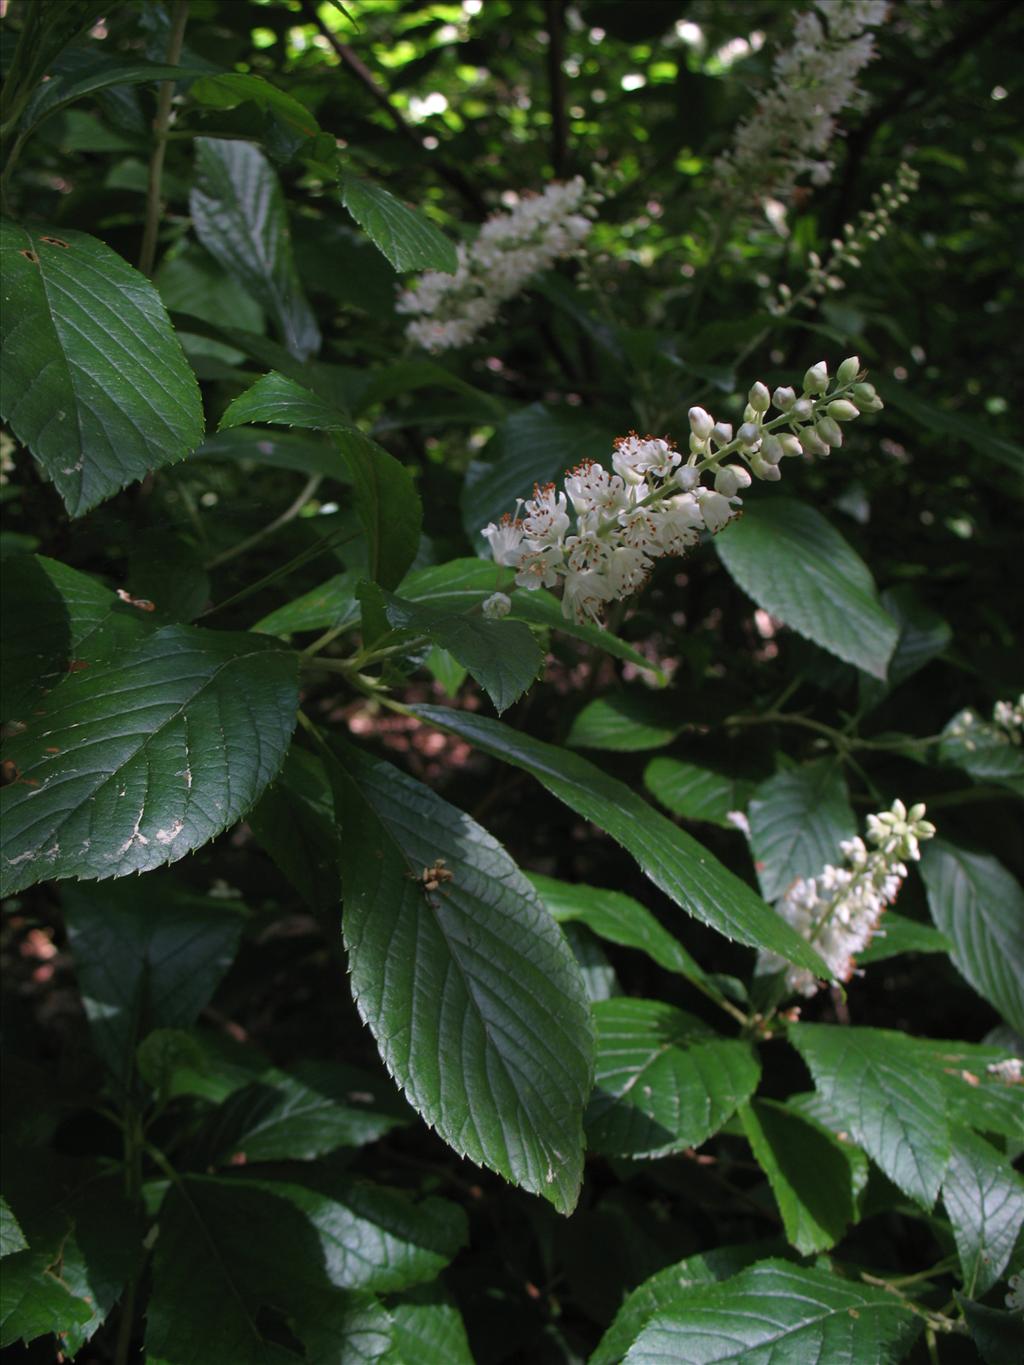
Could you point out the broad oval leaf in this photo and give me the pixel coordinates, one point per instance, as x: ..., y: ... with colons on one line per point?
x: 283, y: 402
x: 135, y: 762
x: 93, y: 379
x: 797, y: 819
x: 408, y: 239
x: 984, y: 1197
x: 695, y: 792
x: 469, y: 987
x: 977, y: 904
x: 809, y: 1171
x: 677, y: 864
x: 788, y: 558
x: 239, y: 215
x: 873, y: 1081
x: 664, y: 1081
x: 782, y: 1313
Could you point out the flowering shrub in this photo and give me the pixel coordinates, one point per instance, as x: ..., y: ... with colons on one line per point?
x: 479, y: 887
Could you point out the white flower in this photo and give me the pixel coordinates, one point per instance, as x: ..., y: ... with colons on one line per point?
x: 1010, y: 1070
x: 716, y: 510
x: 546, y: 520
x: 496, y: 606
x: 635, y: 456
x: 585, y: 595
x: 505, y: 540
x: 678, y: 525
x: 627, y: 570
x: 591, y: 488
x: 540, y: 568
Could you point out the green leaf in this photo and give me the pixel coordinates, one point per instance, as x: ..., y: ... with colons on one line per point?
x: 282, y: 401
x: 36, y: 1301
x: 625, y: 722
x: 618, y: 919
x: 12, y: 1238
x: 428, y: 1329
x: 924, y: 635
x: 333, y: 603
x: 984, y: 1198
x: 809, y: 1172
x: 502, y: 656
x: 408, y: 239
x: 275, y: 450
x: 998, y: 1336
x: 182, y: 735
x: 677, y: 864
x: 901, y: 935
x: 65, y: 87
x: 796, y: 566
x: 872, y: 1080
x: 984, y: 750
x: 469, y: 988
x: 696, y: 793
x: 145, y: 963
x: 797, y: 819
x: 660, y: 1290
x: 535, y: 445
x: 291, y: 1120
x: 229, y: 89
x: 461, y: 584
x: 93, y: 379
x: 233, y: 1255
x: 664, y: 1081
x: 294, y: 821
x: 239, y: 215
x: 977, y: 904
x: 779, y: 1312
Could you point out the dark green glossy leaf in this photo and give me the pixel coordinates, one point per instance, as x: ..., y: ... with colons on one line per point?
x: 796, y: 566
x: 12, y: 1238
x: 333, y: 603
x: 282, y: 401
x: 94, y: 381
x: 428, y: 1329
x: 677, y: 864
x: 229, y: 89
x: 984, y: 1197
x: 182, y: 735
x: 408, y: 239
x: 998, y: 1336
x: 469, y: 987
x: 697, y: 793
x: 294, y: 821
x: 901, y: 935
x: 626, y: 722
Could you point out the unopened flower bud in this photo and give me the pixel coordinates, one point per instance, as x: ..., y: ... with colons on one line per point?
x: 730, y: 479
x: 790, y: 445
x: 848, y: 370
x: 701, y: 423
x: 866, y: 397
x: 784, y: 398
x: 697, y: 446
x: 802, y: 410
x: 843, y: 410
x: 764, y: 469
x: 748, y: 434
x: 816, y: 378
x: 759, y: 398
x: 771, y: 449
x: 828, y: 429
x: 721, y: 433
x: 499, y: 604
x: 812, y: 442
x: 687, y: 478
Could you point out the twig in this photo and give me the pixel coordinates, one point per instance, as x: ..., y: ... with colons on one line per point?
x: 289, y: 514
x: 556, y: 85
x: 361, y: 71
x: 175, y: 41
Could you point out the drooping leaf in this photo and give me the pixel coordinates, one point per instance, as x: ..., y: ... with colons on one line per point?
x: 93, y: 379
x: 409, y: 240
x: 469, y: 987
x: 664, y: 1081
x: 979, y: 906
x: 797, y: 819
x: 502, y: 656
x: 182, y: 734
x: 808, y: 1170
x: 696, y: 793
x: 872, y: 1080
x: 796, y: 566
x: 625, y: 722
x: 618, y: 919
x: 535, y: 445
x: 775, y: 1311
x: 145, y: 959
x: 984, y: 1197
x: 677, y: 864
x: 239, y: 215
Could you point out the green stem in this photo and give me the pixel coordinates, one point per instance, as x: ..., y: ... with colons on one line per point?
x: 288, y: 515
x: 134, y: 1141
x: 175, y: 42
x: 311, y: 552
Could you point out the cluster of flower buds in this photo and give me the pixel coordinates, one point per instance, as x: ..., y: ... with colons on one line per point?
x: 789, y: 134
x: 846, y: 251
x: 654, y: 504
x: 1005, y: 727
x: 839, y: 910
x: 510, y: 249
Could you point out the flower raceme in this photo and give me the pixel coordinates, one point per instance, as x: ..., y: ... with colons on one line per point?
x: 510, y: 249
x: 598, y: 537
x: 839, y: 910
